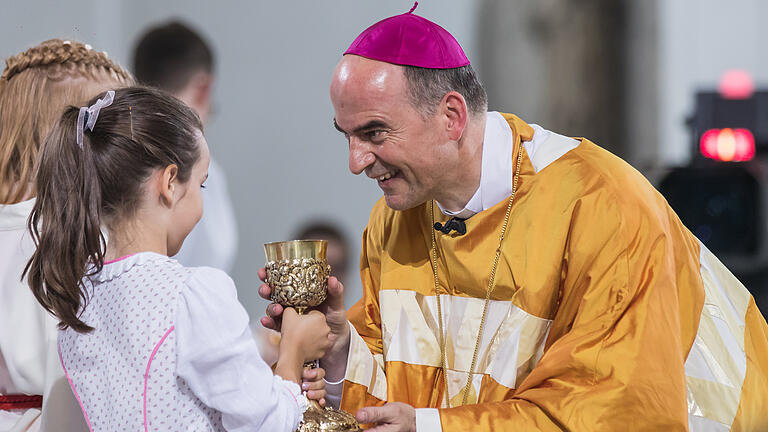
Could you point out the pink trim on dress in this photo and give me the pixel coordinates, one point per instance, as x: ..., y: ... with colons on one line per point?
x: 118, y: 259
x: 146, y: 374
x: 72, y: 386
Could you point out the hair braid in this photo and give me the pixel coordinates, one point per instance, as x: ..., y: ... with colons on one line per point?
x: 35, y: 87
x: 58, y: 52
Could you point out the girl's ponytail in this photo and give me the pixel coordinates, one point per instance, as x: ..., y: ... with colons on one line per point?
x: 66, y: 224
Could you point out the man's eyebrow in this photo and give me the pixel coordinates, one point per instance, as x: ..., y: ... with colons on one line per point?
x: 373, y: 124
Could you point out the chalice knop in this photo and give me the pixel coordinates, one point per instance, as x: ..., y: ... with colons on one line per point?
x: 297, y: 272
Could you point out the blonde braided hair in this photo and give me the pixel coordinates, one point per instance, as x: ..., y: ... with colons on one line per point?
x: 35, y: 88
x: 57, y: 52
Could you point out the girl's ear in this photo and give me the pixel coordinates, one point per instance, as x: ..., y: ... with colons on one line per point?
x: 168, y: 184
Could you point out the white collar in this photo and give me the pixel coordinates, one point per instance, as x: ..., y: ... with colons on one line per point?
x: 496, y: 171
x: 14, y: 216
x: 496, y: 179
x: 115, y: 268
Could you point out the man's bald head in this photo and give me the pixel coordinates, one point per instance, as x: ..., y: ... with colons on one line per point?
x: 368, y: 79
x: 424, y: 88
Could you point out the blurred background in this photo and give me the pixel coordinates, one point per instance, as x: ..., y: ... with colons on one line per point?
x: 673, y: 87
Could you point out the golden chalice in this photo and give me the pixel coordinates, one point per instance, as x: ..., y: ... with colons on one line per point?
x: 297, y: 272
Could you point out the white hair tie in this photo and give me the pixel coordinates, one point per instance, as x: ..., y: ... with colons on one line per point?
x: 86, y: 119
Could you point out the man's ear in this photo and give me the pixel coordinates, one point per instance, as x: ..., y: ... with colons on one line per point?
x: 454, y: 110
x: 202, y: 89
x: 168, y: 183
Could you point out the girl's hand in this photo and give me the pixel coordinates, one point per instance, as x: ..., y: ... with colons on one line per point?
x: 314, y: 384
x: 307, y: 334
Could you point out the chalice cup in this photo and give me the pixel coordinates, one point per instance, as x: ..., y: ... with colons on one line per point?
x: 297, y: 272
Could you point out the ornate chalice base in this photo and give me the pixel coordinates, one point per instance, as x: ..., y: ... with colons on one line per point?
x: 298, y: 274
x: 318, y: 419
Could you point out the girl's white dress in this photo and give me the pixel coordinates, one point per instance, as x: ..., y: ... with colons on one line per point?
x: 172, y: 351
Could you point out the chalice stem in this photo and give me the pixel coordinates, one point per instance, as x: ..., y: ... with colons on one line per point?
x: 313, y: 364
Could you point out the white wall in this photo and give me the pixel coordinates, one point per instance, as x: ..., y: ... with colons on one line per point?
x: 272, y: 132
x: 698, y: 41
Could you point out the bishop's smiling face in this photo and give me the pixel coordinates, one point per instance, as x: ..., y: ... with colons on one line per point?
x: 388, y: 138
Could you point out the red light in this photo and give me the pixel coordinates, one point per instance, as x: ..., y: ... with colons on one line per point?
x: 736, y: 84
x: 745, y: 145
x: 709, y: 143
x: 728, y: 145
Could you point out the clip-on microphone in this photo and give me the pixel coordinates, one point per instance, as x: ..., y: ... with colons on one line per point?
x: 455, y: 224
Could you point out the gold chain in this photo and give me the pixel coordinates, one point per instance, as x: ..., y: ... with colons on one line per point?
x: 487, y: 294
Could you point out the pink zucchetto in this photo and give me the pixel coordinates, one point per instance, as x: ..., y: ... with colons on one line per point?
x: 409, y: 40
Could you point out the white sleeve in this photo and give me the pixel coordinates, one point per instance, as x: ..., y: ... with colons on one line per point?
x: 218, y: 358
x: 428, y: 420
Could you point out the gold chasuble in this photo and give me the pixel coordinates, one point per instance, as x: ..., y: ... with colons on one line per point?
x: 607, y: 313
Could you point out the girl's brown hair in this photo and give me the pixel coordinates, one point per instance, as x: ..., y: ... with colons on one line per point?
x: 81, y: 190
x: 35, y: 87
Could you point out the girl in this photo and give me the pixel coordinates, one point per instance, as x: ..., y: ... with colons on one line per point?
x: 146, y: 343
x: 35, y: 86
